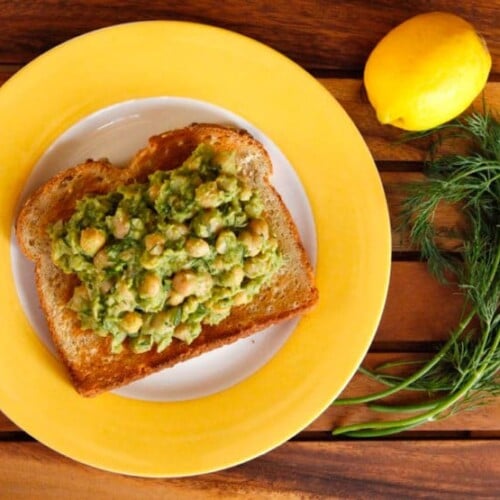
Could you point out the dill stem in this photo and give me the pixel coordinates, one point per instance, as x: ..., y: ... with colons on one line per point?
x: 433, y: 408
x: 372, y: 433
x: 496, y: 265
x: 471, y: 180
x: 405, y: 383
x: 396, y: 364
x: 389, y: 380
x: 426, y: 405
x: 486, y: 166
x: 427, y: 416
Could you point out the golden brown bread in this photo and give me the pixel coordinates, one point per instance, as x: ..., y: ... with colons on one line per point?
x: 87, y: 357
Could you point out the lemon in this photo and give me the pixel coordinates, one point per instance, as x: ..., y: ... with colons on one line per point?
x: 426, y: 71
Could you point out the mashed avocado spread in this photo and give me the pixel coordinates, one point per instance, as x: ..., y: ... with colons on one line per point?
x: 159, y: 259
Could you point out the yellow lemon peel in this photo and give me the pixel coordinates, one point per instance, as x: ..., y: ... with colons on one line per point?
x: 426, y: 71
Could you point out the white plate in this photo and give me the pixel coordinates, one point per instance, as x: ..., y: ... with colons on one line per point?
x: 116, y: 133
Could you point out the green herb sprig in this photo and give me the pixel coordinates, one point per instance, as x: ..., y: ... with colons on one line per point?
x: 465, y: 372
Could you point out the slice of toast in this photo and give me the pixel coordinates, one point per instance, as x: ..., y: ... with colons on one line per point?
x: 87, y: 356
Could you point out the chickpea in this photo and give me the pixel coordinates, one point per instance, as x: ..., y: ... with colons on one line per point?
x: 225, y: 239
x: 80, y: 298
x: 251, y: 242
x: 207, y: 224
x: 125, y: 295
x: 106, y: 286
x: 227, y: 161
x: 196, y: 247
x: 127, y: 255
x: 137, y: 229
x: 149, y: 261
x: 141, y: 343
x: 259, y: 227
x: 194, y: 163
x: 255, y: 267
x: 176, y: 231
x: 221, y: 245
x: 220, y: 264
x: 220, y: 308
x: 185, y: 283
x: 131, y: 322
x: 77, y: 262
x: 150, y: 285
x: 190, y: 305
x: 92, y: 240
x: 101, y: 259
x: 183, y: 332
x: 175, y: 299
x: 245, y: 192
x: 207, y: 195
x: 234, y: 277
x: 240, y: 299
x: 161, y: 322
x: 204, y: 284
x: 254, y: 207
x: 214, y: 223
x: 228, y: 183
x: 154, y: 243
x: 120, y: 224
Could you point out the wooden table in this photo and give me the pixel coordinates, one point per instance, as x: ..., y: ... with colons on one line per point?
x: 453, y: 458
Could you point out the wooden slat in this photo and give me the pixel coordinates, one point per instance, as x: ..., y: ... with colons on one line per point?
x: 437, y: 469
x: 447, y: 218
x: 6, y: 72
x: 484, y: 418
x: 341, y: 40
x: 382, y: 140
x: 7, y: 425
x: 418, y: 308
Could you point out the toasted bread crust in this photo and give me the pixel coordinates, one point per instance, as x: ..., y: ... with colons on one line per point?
x: 87, y: 357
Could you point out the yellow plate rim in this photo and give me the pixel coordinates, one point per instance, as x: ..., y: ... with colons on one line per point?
x: 155, y: 58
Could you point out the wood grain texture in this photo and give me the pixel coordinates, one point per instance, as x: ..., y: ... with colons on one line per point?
x: 482, y: 419
x: 384, y: 140
x: 318, y: 34
x: 335, y: 469
x: 485, y: 418
x: 418, y: 309
x: 7, y: 425
x: 448, y: 219
x: 332, y: 40
x: 6, y: 71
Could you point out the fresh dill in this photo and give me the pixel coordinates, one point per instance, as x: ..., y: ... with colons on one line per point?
x: 465, y: 372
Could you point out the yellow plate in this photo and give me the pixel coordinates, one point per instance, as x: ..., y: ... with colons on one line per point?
x: 334, y: 165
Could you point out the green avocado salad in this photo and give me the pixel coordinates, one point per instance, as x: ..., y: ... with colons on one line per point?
x: 159, y: 259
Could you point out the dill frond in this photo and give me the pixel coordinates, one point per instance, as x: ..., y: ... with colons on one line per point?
x: 465, y: 372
